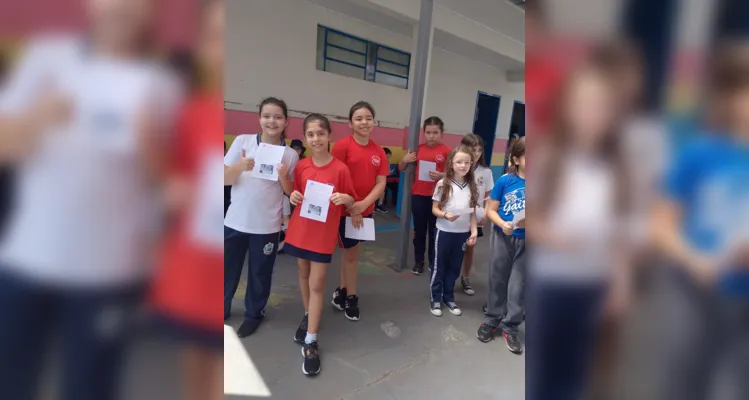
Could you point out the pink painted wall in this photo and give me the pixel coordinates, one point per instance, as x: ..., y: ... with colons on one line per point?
x: 177, y: 27
x: 239, y: 122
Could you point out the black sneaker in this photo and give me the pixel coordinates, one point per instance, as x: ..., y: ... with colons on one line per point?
x: 352, y: 307
x: 436, y: 309
x: 339, y: 299
x: 486, y: 333
x: 418, y: 268
x: 301, y: 332
x: 467, y: 288
x: 311, y: 365
x: 453, y: 308
x: 247, y: 328
x: 381, y: 208
x: 485, y: 308
x: 513, y: 343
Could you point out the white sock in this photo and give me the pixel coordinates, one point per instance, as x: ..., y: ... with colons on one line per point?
x: 311, y: 337
x: 306, y: 313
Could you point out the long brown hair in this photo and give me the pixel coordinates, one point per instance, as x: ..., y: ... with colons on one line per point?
x: 516, y: 151
x: 447, y: 190
x: 473, y: 140
x: 279, y: 103
x: 610, y: 147
x: 728, y: 74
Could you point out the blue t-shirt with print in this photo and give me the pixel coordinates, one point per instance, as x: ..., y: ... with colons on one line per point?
x: 509, y: 190
x: 709, y: 179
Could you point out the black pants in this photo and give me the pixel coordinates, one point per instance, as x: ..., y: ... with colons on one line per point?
x: 6, y: 196
x: 424, y: 224
x: 262, y: 250
x: 450, y: 249
x: 560, y: 333
x: 92, y: 326
x: 393, y: 186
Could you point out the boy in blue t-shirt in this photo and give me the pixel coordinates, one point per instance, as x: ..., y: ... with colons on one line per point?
x: 505, y: 308
x: 702, y: 226
x: 708, y: 188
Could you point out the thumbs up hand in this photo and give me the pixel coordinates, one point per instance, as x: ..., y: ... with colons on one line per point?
x: 245, y: 163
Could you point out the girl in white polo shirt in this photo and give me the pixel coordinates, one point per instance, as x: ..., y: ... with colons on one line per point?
x: 454, y: 201
x: 255, y: 216
x: 84, y: 119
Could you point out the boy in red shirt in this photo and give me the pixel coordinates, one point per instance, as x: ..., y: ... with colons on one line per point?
x: 369, y: 170
x: 313, y: 241
x: 434, y: 152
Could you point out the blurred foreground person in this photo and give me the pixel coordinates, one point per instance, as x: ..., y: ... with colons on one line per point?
x: 702, y: 226
x: 188, y: 290
x: 6, y: 169
x: 76, y: 120
x: 574, y: 234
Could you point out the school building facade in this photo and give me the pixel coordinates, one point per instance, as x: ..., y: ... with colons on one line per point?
x: 325, y: 55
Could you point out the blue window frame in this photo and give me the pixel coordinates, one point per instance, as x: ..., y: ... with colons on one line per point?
x: 347, y: 55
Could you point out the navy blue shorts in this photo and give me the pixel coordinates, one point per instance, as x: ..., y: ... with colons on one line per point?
x: 343, y: 241
x: 187, y: 333
x: 307, y: 254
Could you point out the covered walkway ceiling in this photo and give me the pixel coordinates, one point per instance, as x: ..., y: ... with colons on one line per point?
x: 488, y: 31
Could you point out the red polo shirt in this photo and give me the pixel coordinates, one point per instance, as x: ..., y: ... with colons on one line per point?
x: 308, y: 234
x: 437, y: 154
x: 366, y: 163
x: 189, y: 284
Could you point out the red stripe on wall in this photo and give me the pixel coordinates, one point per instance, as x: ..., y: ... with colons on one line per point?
x: 239, y: 122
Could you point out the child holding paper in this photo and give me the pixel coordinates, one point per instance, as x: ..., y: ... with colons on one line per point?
x: 432, y: 153
x: 322, y: 187
x: 369, y: 170
x: 453, y: 204
x: 507, y: 243
x: 484, y: 183
x: 254, y: 218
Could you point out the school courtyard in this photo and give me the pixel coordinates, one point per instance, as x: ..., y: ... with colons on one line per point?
x: 398, y: 350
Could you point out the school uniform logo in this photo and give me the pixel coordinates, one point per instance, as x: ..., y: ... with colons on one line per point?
x: 440, y: 158
x: 376, y: 161
x: 514, y: 201
x: 480, y: 181
x: 268, y: 249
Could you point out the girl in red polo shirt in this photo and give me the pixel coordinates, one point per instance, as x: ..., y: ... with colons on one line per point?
x: 369, y: 170
x: 189, y: 284
x: 313, y: 241
x: 431, y: 152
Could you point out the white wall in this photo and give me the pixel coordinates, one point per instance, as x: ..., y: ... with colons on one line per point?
x: 454, y: 83
x: 272, y: 52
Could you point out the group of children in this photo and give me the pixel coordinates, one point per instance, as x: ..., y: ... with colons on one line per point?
x: 451, y: 208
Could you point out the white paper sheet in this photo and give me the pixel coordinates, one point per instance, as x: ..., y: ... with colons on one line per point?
x: 316, y: 201
x: 366, y: 232
x: 424, y: 168
x: 267, y: 159
x: 517, y: 217
x: 462, y: 211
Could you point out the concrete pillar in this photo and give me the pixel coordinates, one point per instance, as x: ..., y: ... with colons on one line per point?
x: 418, y: 83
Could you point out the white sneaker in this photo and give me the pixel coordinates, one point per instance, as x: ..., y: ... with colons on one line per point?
x: 437, y: 309
x: 453, y: 308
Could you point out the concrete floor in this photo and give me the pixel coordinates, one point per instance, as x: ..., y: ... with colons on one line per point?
x: 398, y: 350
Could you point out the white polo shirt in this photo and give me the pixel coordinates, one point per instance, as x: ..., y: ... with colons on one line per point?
x: 484, y: 181
x: 86, y: 213
x: 256, y: 204
x: 460, y: 199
